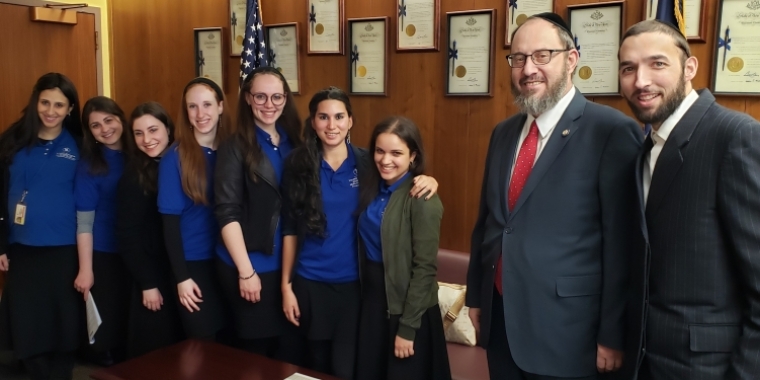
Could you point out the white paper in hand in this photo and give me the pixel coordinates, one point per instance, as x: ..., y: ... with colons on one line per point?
x: 93, y: 318
x: 298, y: 376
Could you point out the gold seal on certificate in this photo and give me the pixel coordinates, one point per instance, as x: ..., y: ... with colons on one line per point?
x: 411, y: 30
x: 319, y: 29
x: 461, y: 71
x: 585, y: 72
x: 361, y: 71
x: 735, y: 64
x: 521, y: 19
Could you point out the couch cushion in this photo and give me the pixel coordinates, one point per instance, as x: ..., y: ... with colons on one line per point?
x: 467, y: 363
x: 452, y: 266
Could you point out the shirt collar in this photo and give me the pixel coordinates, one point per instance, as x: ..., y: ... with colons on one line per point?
x: 349, y: 162
x: 262, y: 135
x: 549, y: 119
x: 385, y: 189
x: 661, y: 135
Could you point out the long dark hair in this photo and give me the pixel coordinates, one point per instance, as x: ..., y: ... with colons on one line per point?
x: 408, y: 132
x: 23, y: 132
x: 246, y: 124
x: 145, y: 166
x: 91, y: 152
x: 191, y: 157
x: 304, y: 190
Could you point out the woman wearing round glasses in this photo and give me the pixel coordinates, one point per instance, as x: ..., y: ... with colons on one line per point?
x: 247, y: 188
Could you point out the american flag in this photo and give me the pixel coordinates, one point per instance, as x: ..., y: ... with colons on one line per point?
x: 254, y: 48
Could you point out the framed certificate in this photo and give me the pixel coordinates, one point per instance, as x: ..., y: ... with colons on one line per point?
x: 368, y: 56
x: 597, y: 28
x: 418, y: 24
x: 208, y: 54
x: 282, y: 44
x: 694, y: 15
x: 470, y: 58
x: 237, y: 26
x: 519, y: 10
x: 736, y: 59
x: 325, y: 34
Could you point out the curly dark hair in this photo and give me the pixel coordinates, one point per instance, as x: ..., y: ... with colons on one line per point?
x: 303, y: 166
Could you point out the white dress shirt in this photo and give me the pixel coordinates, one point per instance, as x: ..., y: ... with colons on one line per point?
x: 660, y: 136
x: 546, y: 123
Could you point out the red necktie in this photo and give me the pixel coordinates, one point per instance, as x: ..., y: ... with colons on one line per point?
x: 523, y: 166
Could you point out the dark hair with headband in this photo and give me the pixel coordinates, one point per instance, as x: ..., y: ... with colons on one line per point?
x: 191, y: 157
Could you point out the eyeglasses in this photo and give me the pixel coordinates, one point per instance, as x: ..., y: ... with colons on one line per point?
x: 260, y: 98
x: 539, y: 57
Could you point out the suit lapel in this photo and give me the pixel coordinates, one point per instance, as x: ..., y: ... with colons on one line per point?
x: 640, y: 191
x: 671, y: 157
x: 506, y: 158
x: 557, y: 141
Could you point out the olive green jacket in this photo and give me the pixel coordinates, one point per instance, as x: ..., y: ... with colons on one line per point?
x: 410, y: 232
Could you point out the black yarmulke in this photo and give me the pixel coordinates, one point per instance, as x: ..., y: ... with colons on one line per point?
x: 556, y: 20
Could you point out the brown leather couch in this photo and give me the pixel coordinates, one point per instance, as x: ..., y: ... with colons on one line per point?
x: 467, y: 363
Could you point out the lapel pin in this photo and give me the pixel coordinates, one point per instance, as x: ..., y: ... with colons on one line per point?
x: 565, y: 133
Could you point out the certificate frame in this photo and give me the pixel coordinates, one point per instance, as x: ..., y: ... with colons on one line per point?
x: 288, y: 28
x: 720, y: 54
x: 237, y: 25
x: 575, y: 9
x: 354, y: 55
x: 214, y: 57
x: 452, y: 71
x: 513, y: 17
x: 408, y: 29
x: 649, y: 10
x: 313, y: 26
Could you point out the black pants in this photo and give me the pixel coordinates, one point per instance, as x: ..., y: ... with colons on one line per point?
x: 50, y: 366
x: 501, y: 365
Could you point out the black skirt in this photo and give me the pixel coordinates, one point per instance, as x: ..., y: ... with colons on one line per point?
x: 206, y: 322
x: 263, y: 319
x: 40, y: 309
x: 111, y: 292
x: 150, y: 330
x: 377, y: 336
x: 328, y: 311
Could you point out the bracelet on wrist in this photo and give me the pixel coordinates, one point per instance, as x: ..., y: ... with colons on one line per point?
x: 249, y: 277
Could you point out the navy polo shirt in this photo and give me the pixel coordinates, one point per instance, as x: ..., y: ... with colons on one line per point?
x: 98, y: 193
x: 197, y: 222
x: 371, y: 220
x: 46, y: 172
x: 334, y: 258
x: 261, y: 261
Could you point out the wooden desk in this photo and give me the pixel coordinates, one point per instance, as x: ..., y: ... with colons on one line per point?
x: 197, y: 360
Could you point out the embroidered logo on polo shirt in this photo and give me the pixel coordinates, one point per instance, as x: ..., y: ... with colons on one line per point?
x: 66, y: 154
x: 354, y: 182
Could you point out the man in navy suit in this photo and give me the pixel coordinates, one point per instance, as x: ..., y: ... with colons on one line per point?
x: 695, y: 311
x: 547, y: 276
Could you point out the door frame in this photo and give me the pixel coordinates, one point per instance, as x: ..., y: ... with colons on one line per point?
x: 99, y: 43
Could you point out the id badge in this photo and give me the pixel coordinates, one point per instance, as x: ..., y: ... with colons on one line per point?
x: 20, y: 216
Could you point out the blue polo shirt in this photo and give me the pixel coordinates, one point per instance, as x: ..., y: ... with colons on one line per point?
x: 334, y: 258
x: 261, y: 261
x: 371, y: 220
x: 98, y: 193
x: 46, y: 172
x: 197, y: 222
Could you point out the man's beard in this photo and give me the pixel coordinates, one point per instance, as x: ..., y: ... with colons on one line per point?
x: 670, y: 103
x: 534, y: 105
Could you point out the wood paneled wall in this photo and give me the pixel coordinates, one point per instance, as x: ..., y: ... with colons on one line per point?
x: 153, y: 55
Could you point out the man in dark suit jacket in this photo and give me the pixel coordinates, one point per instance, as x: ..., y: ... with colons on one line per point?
x: 556, y: 209
x: 695, y: 313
